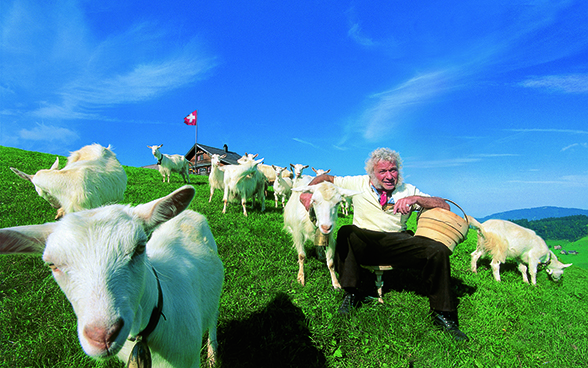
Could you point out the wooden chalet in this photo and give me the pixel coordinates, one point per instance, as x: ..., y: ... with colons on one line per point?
x: 199, y: 157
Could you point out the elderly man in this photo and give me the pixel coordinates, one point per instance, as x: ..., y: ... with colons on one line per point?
x: 378, y: 235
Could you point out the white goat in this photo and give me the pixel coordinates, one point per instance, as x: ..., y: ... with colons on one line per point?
x: 171, y: 163
x: 505, y: 239
x: 91, y: 178
x: 345, y: 206
x: 282, y: 185
x: 325, y: 200
x: 114, y: 275
x: 270, y: 173
x: 298, y: 179
x: 320, y: 171
x: 216, y: 178
x: 244, y: 181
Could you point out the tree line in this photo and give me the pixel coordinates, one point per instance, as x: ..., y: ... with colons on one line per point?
x: 570, y: 228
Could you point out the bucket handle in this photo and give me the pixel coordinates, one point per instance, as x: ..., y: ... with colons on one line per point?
x: 448, y: 200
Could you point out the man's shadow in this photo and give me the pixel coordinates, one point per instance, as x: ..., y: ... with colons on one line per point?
x: 276, y: 336
x: 405, y: 279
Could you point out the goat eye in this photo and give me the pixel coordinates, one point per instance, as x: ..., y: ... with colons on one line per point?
x: 53, y: 267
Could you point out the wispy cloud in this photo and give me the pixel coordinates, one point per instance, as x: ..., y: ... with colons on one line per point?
x: 435, y: 164
x: 569, y: 181
x: 380, y: 118
x: 306, y: 142
x: 356, y: 34
x: 42, y: 132
x: 143, y: 82
x: 585, y: 145
x: 572, y: 83
x: 571, y: 131
x: 83, y: 72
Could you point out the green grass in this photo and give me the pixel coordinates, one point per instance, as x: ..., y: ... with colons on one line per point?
x: 580, y: 245
x: 268, y: 320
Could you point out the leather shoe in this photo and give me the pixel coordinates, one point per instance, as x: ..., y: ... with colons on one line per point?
x: 448, y: 324
x: 350, y: 300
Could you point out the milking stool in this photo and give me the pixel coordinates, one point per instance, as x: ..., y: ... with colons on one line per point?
x: 379, y: 271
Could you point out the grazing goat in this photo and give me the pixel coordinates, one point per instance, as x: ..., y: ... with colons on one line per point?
x: 91, y: 178
x: 325, y: 200
x: 345, y: 206
x: 505, y: 239
x: 299, y: 179
x: 282, y: 185
x: 244, y: 181
x: 118, y: 277
x: 216, y: 178
x: 171, y: 163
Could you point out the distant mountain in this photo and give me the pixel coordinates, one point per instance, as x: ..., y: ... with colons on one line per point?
x: 537, y: 213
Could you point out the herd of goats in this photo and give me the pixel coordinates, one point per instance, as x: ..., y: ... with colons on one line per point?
x: 123, y: 268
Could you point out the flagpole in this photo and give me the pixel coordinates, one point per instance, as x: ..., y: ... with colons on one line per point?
x: 196, y: 145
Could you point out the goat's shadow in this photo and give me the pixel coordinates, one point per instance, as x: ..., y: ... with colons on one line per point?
x: 276, y: 336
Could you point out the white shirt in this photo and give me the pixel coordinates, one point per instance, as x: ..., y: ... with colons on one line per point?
x: 368, y: 213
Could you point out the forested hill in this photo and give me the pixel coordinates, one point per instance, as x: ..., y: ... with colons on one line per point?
x: 569, y: 228
x: 536, y: 213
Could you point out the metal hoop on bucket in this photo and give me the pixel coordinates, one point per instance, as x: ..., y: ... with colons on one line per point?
x: 439, y: 228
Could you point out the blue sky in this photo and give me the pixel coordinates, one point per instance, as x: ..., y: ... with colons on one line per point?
x: 487, y: 103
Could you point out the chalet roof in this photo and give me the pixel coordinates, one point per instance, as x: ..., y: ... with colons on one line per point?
x: 231, y: 158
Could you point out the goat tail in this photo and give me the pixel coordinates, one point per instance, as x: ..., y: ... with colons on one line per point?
x: 476, y: 226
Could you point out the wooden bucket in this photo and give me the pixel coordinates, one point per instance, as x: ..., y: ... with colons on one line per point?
x: 443, y: 226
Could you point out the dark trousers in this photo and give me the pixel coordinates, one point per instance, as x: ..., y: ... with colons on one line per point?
x: 357, y: 246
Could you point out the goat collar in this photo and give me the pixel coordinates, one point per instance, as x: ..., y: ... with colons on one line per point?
x: 159, y: 160
x: 154, y: 319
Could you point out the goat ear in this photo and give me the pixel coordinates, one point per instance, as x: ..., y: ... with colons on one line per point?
x: 55, y: 165
x: 328, y: 171
x: 22, y: 175
x: 25, y: 239
x: 165, y: 208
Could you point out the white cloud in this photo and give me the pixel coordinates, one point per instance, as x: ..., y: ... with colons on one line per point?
x: 585, y: 145
x: 572, y: 83
x: 570, y: 131
x: 433, y: 164
x: 305, y: 142
x: 48, y: 133
x: 356, y: 34
x: 379, y: 119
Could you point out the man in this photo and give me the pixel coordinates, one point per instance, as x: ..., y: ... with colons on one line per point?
x: 378, y: 235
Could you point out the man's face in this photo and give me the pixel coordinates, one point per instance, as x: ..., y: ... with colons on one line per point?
x: 386, y: 175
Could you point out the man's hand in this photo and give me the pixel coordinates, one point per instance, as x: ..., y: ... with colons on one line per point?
x: 306, y: 197
x: 404, y: 205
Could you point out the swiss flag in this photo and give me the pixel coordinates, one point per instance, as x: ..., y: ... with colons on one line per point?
x: 191, y: 119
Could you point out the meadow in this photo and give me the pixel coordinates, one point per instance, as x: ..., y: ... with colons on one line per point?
x: 267, y: 319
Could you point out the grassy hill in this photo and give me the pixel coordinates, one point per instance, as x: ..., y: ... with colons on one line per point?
x: 268, y: 320
x: 581, y: 246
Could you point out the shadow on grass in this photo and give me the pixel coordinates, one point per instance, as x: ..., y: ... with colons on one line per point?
x: 276, y: 336
x: 400, y: 280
